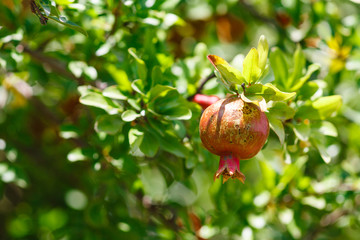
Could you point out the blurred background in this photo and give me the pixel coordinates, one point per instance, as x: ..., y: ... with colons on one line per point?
x: 73, y: 169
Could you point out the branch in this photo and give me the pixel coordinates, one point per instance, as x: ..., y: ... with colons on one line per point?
x: 327, y: 221
x: 55, y: 65
x: 201, y: 86
x: 116, y: 13
x: 252, y: 11
x: 255, y: 14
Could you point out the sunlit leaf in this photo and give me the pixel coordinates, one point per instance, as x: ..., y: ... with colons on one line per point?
x: 62, y: 20
x: 282, y: 111
x: 138, y: 86
x: 298, y: 84
x: 129, y: 115
x: 251, y: 70
x: 268, y: 91
x: 263, y: 50
x: 321, y: 108
x: 302, y: 131
x: 135, y: 139
x: 279, y: 66
x: 299, y: 64
x: 277, y: 126
x: 98, y: 100
x: 326, y: 128
x: 114, y: 92
x: 318, y: 142
x: 140, y: 64
x: 230, y: 74
x: 308, y: 90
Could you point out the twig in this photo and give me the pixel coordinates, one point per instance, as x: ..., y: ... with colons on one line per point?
x: 327, y: 221
x: 201, y: 86
x: 255, y: 14
x: 116, y: 13
x: 250, y: 9
x: 56, y: 65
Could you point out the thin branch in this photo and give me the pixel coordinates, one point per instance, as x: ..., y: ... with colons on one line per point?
x: 202, y: 84
x: 116, y: 13
x: 327, y: 221
x: 255, y: 14
x: 55, y: 65
x: 251, y: 9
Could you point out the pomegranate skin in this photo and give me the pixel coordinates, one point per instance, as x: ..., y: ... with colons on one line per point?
x: 234, y: 127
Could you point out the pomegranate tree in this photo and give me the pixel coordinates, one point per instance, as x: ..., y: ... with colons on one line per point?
x: 234, y: 130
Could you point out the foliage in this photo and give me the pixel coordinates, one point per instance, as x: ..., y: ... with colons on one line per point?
x: 99, y: 136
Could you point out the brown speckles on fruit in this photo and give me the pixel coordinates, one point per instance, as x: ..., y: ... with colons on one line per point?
x: 231, y: 126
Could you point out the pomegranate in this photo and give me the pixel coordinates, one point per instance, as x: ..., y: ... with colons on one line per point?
x: 204, y: 100
x: 234, y: 130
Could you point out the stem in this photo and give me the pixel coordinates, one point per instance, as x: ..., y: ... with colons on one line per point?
x: 202, y: 84
x: 243, y: 87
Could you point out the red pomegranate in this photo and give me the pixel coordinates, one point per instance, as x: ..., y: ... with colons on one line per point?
x: 205, y: 100
x: 234, y: 130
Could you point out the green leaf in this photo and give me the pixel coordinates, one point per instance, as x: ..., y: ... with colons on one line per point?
x: 109, y: 124
x: 166, y: 101
x: 45, y: 4
x: 279, y: 95
x: 140, y: 64
x: 325, y: 128
x: 114, y: 92
x: 154, y: 183
x: 54, y: 11
x: 263, y: 50
x: 173, y: 145
x: 308, y: 90
x: 228, y: 73
x: 311, y: 69
x: 321, y: 108
x: 156, y: 76
x: 138, y: 86
x: 251, y: 69
x: 299, y: 63
x: 282, y: 111
x: 69, y: 24
x: 135, y: 103
x: 129, y: 115
x: 277, y: 126
x: 221, y: 81
x: 120, y: 77
x: 318, y: 141
x: 280, y: 67
x: 149, y: 145
x: 302, y: 130
x: 97, y: 100
x: 135, y: 139
x: 268, y: 92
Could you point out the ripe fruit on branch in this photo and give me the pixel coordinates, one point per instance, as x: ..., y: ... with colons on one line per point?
x: 204, y: 100
x: 234, y: 130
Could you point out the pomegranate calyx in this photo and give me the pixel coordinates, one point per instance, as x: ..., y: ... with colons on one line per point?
x: 229, y: 167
